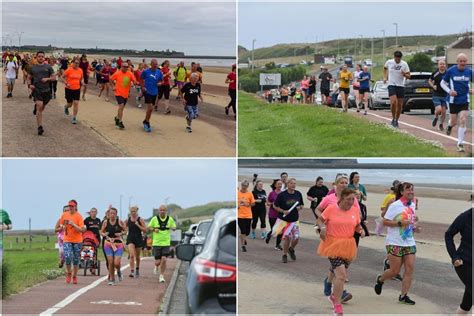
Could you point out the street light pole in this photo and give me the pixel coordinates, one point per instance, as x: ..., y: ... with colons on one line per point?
x: 19, y: 39
x: 253, y: 48
x: 383, y: 44
x: 361, y: 44
x: 120, y: 206
x: 396, y: 34
x: 372, y: 55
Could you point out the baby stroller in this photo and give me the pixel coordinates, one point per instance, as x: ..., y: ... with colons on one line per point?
x: 88, y: 259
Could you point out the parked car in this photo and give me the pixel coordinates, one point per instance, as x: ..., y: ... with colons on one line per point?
x: 200, y: 234
x: 368, y: 62
x: 352, y: 101
x: 189, y: 234
x: 212, y: 275
x: 418, y: 93
x: 378, y: 97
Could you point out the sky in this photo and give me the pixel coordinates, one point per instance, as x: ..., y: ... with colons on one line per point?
x: 194, y: 28
x: 39, y: 188
x: 275, y: 23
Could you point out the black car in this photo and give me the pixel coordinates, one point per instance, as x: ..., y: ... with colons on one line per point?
x: 212, y: 275
x: 418, y: 93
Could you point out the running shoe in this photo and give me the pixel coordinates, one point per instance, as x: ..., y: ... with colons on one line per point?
x: 365, y: 112
x: 244, y: 249
x: 189, y: 129
x: 378, y: 285
x: 117, y: 121
x: 460, y: 148
x: 162, y: 278
x: 338, y: 310
x: 267, y: 238
x: 263, y: 235
x: 132, y: 274
x: 226, y: 111
x: 74, y: 120
x: 435, y: 121
x: 61, y: 264
x: 278, y: 247
x: 120, y: 276
x: 120, y: 125
x: 386, y: 264
x: 358, y: 111
x: 405, y: 300
x: 396, y: 124
x: 40, y: 130
x: 327, y: 287
x: 155, y: 270
x: 68, y: 278
x: 292, y: 253
x: 137, y: 273
x: 111, y: 282
x: 34, y: 109
x: 346, y: 296
x: 284, y: 259
x: 393, y: 123
x: 74, y: 280
x: 253, y: 235
x: 441, y: 127
x: 168, y: 112
x: 66, y: 110
x: 448, y: 130
x: 398, y: 277
x: 139, y: 105
x: 332, y: 299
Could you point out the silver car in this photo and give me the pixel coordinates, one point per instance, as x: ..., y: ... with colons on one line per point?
x: 200, y: 234
x: 378, y: 97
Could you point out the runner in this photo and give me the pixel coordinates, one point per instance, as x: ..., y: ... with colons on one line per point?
x: 194, y: 70
x: 112, y: 231
x: 164, y: 89
x: 345, y: 78
x: 325, y: 78
x: 341, y: 222
x: 73, y: 79
x: 93, y: 224
x: 402, y: 223
x: 161, y: 225
x: 105, y: 73
x: 304, y: 88
x: 316, y: 193
x: 259, y: 210
x: 24, y: 67
x: 54, y: 83
x: 356, y: 86
x: 60, y: 234
x: 11, y: 68
x: 364, y: 87
x: 151, y: 78
x: 135, y: 226
x: 6, y: 225
x: 72, y: 224
x: 395, y: 71
x: 244, y: 213
x: 439, y: 95
x: 284, y: 179
x: 354, y: 183
x: 138, y: 75
x: 232, y: 81
x: 38, y: 81
x: 334, y: 93
x: 122, y: 81
x: 106, y: 217
x: 456, y: 82
x: 387, y: 200
x: 191, y: 91
x: 272, y: 213
x: 312, y: 90
x: 461, y: 258
x: 284, y: 95
x: 292, y: 93
x: 86, y: 68
x: 180, y: 77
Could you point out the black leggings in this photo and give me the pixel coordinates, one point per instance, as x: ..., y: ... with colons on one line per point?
x: 233, y: 98
x: 272, y: 223
x: 54, y: 86
x: 465, y: 275
x: 258, y: 214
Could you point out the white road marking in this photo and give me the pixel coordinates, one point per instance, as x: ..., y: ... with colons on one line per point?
x: 106, y: 302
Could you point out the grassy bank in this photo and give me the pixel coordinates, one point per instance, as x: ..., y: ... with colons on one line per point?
x: 309, y: 131
x: 204, y: 210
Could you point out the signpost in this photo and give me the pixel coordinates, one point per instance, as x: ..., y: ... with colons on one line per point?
x: 270, y: 80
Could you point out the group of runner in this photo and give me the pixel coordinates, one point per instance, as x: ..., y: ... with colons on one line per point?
x: 114, y: 235
x: 341, y: 220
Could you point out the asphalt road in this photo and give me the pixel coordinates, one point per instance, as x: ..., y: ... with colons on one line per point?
x: 178, y: 300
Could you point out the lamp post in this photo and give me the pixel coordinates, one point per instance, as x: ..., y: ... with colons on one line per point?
x: 253, y: 58
x: 383, y: 44
x: 19, y: 34
x: 396, y: 34
x: 120, y: 206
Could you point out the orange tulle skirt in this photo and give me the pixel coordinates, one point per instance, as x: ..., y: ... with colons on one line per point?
x: 338, y: 248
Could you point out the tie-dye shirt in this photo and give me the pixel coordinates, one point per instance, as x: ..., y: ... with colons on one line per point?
x: 398, y: 211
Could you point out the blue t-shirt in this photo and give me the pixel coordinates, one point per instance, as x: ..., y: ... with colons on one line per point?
x: 459, y: 81
x: 151, y: 79
x: 366, y: 83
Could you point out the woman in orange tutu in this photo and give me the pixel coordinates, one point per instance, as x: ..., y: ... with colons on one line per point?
x: 341, y: 220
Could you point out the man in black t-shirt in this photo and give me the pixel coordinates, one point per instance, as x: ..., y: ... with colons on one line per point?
x: 316, y: 194
x: 288, y: 220
x: 191, y: 92
x: 439, y: 95
x: 325, y: 78
x: 92, y: 223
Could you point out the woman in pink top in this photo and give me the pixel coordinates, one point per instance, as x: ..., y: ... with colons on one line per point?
x: 272, y: 213
x: 60, y: 233
x: 304, y: 88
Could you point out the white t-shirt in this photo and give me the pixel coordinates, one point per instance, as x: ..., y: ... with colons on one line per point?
x: 356, y: 76
x: 395, y: 77
x: 401, y: 236
x: 11, y: 71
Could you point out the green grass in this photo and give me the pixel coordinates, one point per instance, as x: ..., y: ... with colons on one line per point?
x: 204, y: 210
x: 309, y: 131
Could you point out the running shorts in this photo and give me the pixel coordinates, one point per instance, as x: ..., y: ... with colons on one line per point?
x: 42, y: 96
x: 72, y: 95
x: 364, y: 90
x: 244, y: 225
x: 336, y: 262
x: 164, y: 90
x: 456, y: 108
x: 396, y: 90
x: 345, y: 90
x: 86, y: 79
x: 325, y: 92
x: 161, y: 251
x: 440, y: 101
x: 11, y: 81
x: 192, y: 111
x: 136, y: 240
x: 180, y: 84
x: 400, y: 251
x: 121, y: 100
x: 109, y: 251
x: 150, y: 99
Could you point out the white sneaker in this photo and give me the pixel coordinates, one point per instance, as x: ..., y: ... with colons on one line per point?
x: 162, y: 278
x: 139, y: 106
x: 155, y: 270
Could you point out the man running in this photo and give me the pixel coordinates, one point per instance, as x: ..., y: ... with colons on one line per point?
x: 151, y: 78
x: 164, y: 89
x: 180, y: 77
x: 395, y: 71
x: 345, y: 78
x: 364, y: 87
x: 38, y: 81
x: 161, y: 225
x: 232, y: 91
x: 191, y: 92
x: 325, y: 78
x: 86, y: 68
x: 73, y: 79
x: 93, y: 224
x: 11, y: 68
x: 456, y: 82
x: 123, y: 81
x: 439, y: 95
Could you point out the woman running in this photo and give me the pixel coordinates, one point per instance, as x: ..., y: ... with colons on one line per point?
x: 86, y: 69
x: 356, y: 86
x: 259, y: 210
x: 316, y: 194
x: 341, y: 221
x: 232, y: 81
x: 304, y: 88
x: 60, y: 233
x: 112, y: 231
x: 461, y: 258
x: 73, y: 80
x: 354, y: 183
x: 311, y: 90
x: 138, y: 75
x: 244, y: 213
x: 54, y: 83
x: 272, y: 213
x: 105, y: 73
x: 72, y: 224
x: 135, y: 226
x: 402, y: 223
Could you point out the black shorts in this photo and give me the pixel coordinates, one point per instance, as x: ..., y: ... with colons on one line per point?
x: 136, y: 240
x: 164, y: 91
x: 364, y: 90
x: 72, y: 95
x: 104, y: 80
x: 121, y: 100
x: 245, y: 225
x: 345, y: 90
x: 325, y: 92
x: 45, y: 97
x: 396, y: 90
x: 457, y: 108
x: 356, y: 88
x: 86, y: 79
x: 150, y: 99
x: 161, y: 251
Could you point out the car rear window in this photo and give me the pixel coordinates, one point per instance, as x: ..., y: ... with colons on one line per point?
x: 420, y: 77
x: 381, y: 88
x: 227, y: 238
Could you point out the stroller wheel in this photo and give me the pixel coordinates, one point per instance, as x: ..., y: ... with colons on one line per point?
x: 98, y: 267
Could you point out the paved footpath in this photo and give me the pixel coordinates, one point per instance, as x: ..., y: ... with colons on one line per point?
x: 92, y: 295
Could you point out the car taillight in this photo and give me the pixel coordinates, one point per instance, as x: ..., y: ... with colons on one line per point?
x: 209, y: 271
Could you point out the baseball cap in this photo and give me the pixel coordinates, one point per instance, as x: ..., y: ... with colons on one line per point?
x: 72, y: 203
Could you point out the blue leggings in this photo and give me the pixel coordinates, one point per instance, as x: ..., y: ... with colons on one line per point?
x: 72, y: 252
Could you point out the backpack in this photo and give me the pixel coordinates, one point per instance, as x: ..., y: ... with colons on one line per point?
x: 164, y: 223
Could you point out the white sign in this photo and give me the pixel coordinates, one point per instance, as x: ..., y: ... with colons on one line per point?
x: 329, y: 60
x: 270, y: 79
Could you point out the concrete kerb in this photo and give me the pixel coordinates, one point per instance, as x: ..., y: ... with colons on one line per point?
x: 165, y: 305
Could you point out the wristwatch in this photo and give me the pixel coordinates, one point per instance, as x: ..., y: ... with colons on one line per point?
x: 399, y: 224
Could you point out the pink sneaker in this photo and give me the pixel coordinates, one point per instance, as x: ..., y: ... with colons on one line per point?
x: 337, y: 309
x: 332, y: 299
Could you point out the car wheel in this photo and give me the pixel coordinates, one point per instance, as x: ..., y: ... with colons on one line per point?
x: 371, y: 107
